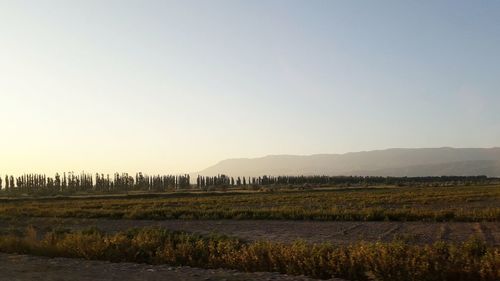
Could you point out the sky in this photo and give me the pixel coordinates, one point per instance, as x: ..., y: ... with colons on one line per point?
x: 176, y: 86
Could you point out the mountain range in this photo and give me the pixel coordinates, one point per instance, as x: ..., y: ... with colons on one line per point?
x: 412, y: 162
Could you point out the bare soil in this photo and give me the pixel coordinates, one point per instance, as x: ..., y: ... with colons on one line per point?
x: 287, y: 231
x: 30, y: 268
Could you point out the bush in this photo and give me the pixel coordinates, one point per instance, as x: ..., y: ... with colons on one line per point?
x: 396, y: 261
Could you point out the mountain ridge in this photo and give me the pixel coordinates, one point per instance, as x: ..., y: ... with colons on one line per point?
x: 386, y: 162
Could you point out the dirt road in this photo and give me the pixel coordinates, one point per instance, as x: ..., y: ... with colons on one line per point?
x: 287, y: 231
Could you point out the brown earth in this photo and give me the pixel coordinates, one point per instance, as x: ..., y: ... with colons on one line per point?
x: 30, y: 268
x: 288, y: 231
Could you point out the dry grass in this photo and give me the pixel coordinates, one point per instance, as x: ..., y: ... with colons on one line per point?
x: 395, y: 261
x: 464, y: 203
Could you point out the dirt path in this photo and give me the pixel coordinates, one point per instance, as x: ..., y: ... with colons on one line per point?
x: 287, y: 231
x: 31, y: 268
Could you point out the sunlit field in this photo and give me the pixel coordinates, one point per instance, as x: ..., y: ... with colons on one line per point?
x: 454, y: 203
x: 397, y: 259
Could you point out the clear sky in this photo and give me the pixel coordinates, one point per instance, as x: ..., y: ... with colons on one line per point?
x: 176, y: 86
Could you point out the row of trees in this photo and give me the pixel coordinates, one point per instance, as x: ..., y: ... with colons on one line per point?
x: 87, y: 182
x: 72, y: 182
x: 221, y: 180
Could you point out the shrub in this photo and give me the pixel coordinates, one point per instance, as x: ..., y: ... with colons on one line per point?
x: 395, y: 261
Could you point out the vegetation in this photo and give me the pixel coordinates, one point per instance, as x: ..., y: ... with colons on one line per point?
x: 463, y: 203
x: 71, y: 183
x: 341, y: 181
x: 395, y: 261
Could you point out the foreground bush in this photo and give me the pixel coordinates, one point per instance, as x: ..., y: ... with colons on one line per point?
x: 471, y: 260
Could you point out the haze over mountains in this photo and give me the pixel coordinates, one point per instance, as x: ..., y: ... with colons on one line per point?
x: 390, y: 162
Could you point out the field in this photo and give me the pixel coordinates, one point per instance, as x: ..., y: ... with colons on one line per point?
x: 379, y: 233
x: 286, y: 231
x: 465, y: 203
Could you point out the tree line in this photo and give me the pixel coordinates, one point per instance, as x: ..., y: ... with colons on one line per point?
x: 221, y: 180
x: 72, y: 182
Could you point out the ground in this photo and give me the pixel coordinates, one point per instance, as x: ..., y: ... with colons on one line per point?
x: 438, y: 214
x: 30, y: 268
x: 288, y: 231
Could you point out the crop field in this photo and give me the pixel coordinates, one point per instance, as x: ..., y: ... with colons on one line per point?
x: 362, y: 233
x: 461, y: 203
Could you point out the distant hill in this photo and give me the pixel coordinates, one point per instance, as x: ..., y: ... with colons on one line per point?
x: 390, y: 162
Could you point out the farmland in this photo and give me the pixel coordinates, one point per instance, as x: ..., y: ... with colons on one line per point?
x: 355, y: 233
x: 456, y: 203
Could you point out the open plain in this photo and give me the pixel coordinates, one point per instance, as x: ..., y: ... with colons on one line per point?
x: 277, y: 221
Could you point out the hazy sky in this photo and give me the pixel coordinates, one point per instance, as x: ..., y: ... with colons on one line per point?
x: 174, y: 86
